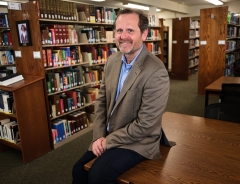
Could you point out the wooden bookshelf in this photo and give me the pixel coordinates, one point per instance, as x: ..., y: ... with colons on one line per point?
x: 185, y: 50
x: 30, y: 93
x: 213, y: 21
x: 29, y: 101
x: 180, y: 48
x: 166, y: 46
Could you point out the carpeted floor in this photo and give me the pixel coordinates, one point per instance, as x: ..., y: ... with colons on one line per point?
x: 55, y: 167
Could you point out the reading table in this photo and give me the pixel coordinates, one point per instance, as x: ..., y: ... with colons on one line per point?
x: 206, y: 151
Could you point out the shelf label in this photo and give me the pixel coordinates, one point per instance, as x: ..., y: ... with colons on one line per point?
x: 36, y: 55
x: 174, y: 41
x: 186, y: 41
x: 18, y: 54
x: 203, y: 42
x: 221, y: 42
x: 14, y: 6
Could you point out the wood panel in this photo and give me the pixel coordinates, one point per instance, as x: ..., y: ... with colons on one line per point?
x: 33, y: 122
x: 180, y: 50
x: 27, y: 65
x: 213, y: 23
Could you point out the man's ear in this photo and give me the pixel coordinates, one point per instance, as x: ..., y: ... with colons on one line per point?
x: 144, y: 34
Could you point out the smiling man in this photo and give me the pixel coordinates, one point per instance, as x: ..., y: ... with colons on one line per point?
x: 131, y: 102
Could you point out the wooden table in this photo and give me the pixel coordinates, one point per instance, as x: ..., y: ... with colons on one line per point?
x: 207, y: 151
x: 216, y: 86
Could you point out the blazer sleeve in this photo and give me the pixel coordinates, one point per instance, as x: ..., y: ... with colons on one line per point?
x: 99, y: 128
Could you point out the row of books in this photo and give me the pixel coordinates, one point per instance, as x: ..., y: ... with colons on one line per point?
x: 229, y: 70
x: 96, y: 14
x: 193, y: 62
x: 153, y: 34
x: 192, y: 71
x: 70, y: 78
x: 233, y: 18
x: 68, y: 56
x: 4, y: 21
x: 56, y: 9
x: 7, y: 102
x: 194, y: 24
x: 71, y: 100
x: 95, y: 35
x: 7, y: 57
x: 97, y: 54
x: 153, y: 47
x: 193, y: 53
x: 6, y: 39
x: 193, y: 43
x: 233, y: 32
x: 153, y: 20
x: 194, y: 33
x: 232, y: 45
x: 64, y: 128
x: 54, y: 34
x: 62, y: 56
x: 232, y: 57
x: 9, y: 131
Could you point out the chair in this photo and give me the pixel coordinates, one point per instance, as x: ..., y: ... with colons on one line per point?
x: 223, y: 111
x: 230, y: 93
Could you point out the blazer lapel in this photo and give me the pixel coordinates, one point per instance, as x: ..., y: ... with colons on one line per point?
x: 132, y: 76
x: 115, y: 72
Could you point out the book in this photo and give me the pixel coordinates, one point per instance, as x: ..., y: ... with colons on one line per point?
x: 10, y: 79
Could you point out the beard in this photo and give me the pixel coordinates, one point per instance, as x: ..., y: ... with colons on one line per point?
x: 128, y: 51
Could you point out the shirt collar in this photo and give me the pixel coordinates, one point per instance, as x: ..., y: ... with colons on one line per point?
x: 134, y: 59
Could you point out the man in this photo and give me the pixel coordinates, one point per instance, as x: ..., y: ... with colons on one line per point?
x: 130, y: 105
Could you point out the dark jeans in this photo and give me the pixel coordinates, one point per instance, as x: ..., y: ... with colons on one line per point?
x: 106, y: 169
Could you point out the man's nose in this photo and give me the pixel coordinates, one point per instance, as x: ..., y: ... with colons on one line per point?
x: 124, y: 35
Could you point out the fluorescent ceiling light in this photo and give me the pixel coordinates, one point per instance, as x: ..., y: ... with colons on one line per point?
x: 215, y: 2
x: 98, y: 0
x: 3, y: 3
x: 130, y: 5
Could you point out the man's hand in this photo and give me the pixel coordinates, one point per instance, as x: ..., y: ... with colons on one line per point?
x: 99, y: 146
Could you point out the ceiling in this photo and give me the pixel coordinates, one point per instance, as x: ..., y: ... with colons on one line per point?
x: 198, y: 2
x: 181, y: 6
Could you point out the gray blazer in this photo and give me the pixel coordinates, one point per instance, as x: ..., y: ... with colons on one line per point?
x: 136, y: 117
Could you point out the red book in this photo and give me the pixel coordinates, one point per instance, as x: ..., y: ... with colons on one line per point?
x: 9, y: 38
x: 60, y: 34
x: 44, y: 56
x: 49, y: 58
x: 61, y: 106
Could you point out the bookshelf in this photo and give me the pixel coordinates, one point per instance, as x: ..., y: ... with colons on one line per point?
x: 154, y: 40
x: 165, y: 46
x: 213, y: 21
x: 185, y: 46
x: 34, y: 132
x: 86, y: 62
x: 232, y: 45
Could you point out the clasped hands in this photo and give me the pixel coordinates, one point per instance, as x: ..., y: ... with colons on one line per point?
x: 99, y: 146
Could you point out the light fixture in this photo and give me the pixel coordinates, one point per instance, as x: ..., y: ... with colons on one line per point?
x: 98, y: 0
x: 3, y: 3
x: 141, y: 7
x: 215, y: 2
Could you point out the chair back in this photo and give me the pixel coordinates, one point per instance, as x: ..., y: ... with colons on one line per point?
x: 230, y: 93
x: 223, y: 111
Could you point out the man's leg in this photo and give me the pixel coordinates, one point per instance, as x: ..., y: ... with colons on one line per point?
x: 111, y: 164
x: 79, y: 174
